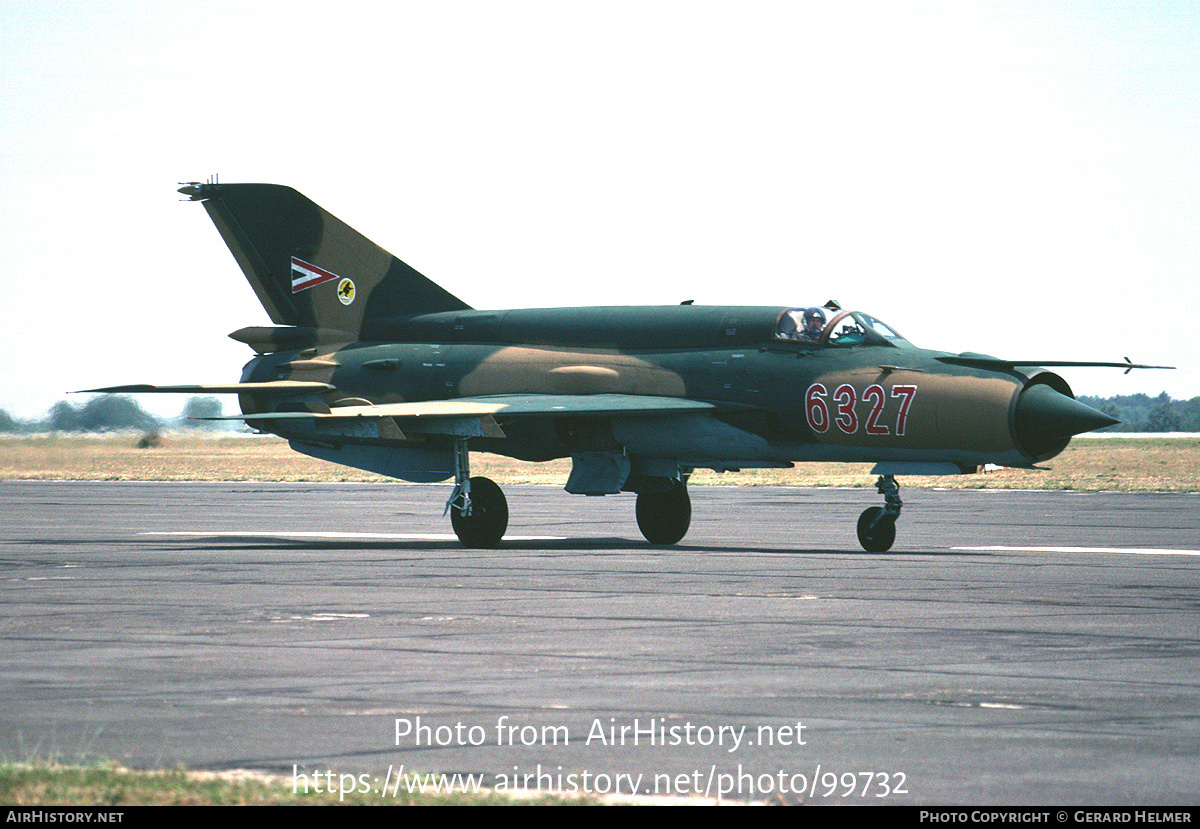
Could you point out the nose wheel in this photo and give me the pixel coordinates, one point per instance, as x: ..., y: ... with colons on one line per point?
x: 877, y: 525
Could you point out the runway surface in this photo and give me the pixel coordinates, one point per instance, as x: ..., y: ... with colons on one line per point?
x: 1016, y: 648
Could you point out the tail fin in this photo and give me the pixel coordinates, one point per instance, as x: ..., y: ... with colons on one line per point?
x: 310, y: 269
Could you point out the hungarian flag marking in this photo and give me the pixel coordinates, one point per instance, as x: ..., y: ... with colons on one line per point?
x: 306, y: 275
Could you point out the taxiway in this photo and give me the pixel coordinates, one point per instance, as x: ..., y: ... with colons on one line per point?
x: 1014, y: 648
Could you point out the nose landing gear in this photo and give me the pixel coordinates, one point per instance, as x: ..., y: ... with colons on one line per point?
x: 877, y: 525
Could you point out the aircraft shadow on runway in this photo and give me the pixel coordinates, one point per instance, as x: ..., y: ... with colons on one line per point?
x: 234, y: 541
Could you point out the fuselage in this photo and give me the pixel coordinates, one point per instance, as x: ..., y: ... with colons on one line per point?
x: 857, y: 395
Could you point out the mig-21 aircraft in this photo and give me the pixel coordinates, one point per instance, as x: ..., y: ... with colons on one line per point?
x: 372, y: 365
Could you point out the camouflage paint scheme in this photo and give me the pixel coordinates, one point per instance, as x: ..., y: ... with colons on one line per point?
x: 372, y: 365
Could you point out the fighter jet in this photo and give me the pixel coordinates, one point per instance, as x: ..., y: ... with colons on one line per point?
x: 372, y: 365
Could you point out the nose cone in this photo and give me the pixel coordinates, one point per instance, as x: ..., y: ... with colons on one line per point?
x: 1046, y: 419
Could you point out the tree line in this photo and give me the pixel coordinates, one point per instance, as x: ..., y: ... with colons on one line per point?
x: 113, y: 413
x: 1142, y: 413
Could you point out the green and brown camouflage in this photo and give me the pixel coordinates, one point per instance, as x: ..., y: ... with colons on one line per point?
x: 371, y: 364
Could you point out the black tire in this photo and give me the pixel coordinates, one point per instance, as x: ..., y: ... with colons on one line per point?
x: 879, y: 540
x: 664, y: 517
x: 488, y: 520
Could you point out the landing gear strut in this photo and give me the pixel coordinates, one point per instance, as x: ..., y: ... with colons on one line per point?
x: 877, y: 525
x: 664, y: 517
x: 478, y: 509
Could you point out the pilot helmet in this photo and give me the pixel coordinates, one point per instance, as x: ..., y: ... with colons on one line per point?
x: 814, y: 315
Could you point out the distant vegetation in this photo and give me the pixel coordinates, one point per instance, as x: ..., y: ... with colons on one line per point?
x: 112, y: 413
x: 1142, y: 413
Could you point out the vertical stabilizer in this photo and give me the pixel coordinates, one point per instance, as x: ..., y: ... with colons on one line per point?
x: 310, y: 269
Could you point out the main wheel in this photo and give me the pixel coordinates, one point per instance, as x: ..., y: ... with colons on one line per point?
x: 879, y: 539
x: 664, y: 517
x: 488, y: 520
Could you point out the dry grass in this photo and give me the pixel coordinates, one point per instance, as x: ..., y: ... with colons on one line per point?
x: 1133, y: 463
x: 178, y: 457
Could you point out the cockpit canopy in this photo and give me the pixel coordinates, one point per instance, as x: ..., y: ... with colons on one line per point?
x: 832, y: 326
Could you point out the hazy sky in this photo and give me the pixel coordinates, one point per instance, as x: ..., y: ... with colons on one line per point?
x: 1016, y: 178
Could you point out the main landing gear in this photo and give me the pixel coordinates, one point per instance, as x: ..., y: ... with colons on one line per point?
x: 478, y: 509
x: 664, y: 517
x: 877, y: 525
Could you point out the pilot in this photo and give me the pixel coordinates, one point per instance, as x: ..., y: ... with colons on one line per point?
x: 814, y: 322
